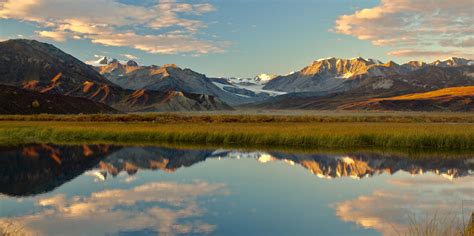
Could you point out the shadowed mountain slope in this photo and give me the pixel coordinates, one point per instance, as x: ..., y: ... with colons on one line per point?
x: 22, y: 101
x: 41, y: 67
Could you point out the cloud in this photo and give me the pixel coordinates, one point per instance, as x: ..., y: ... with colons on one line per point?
x: 59, y: 36
x: 413, y: 25
x: 463, y: 43
x: 165, y: 208
x: 391, y: 212
x: 167, y: 23
x: 428, y: 53
x: 163, y: 44
x: 130, y: 56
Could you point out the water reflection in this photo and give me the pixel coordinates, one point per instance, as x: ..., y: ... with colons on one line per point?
x: 155, y: 207
x: 36, y: 169
x: 128, y: 199
x: 40, y: 168
x: 410, y: 200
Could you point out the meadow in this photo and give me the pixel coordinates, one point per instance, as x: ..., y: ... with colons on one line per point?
x: 412, y: 132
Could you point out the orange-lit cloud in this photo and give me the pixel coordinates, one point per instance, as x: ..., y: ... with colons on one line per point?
x: 114, y: 23
x: 429, y: 53
x: 59, y: 36
x: 414, y: 27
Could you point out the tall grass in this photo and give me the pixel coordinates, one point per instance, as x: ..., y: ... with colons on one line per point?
x: 438, y: 226
x: 10, y: 228
x: 333, y: 135
x: 220, y: 118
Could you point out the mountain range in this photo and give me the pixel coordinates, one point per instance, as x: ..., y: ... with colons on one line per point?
x: 38, y: 69
x: 41, y: 67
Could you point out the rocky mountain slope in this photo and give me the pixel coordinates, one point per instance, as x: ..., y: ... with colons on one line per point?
x: 22, y: 101
x: 168, y: 77
x: 422, y: 80
x: 449, y: 99
x: 41, y: 67
x: 333, y: 75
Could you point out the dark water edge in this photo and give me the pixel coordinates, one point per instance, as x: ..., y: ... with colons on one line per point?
x: 40, y: 168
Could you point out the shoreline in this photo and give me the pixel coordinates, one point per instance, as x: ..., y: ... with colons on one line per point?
x: 306, y: 135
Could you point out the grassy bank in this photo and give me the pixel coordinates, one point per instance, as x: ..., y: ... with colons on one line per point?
x: 437, y: 136
x: 285, y: 117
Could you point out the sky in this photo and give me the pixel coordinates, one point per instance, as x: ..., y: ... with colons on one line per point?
x: 243, y: 38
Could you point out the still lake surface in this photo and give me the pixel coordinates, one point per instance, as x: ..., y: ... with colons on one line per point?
x: 114, y: 190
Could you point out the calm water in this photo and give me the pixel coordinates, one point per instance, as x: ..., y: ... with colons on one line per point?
x: 110, y: 190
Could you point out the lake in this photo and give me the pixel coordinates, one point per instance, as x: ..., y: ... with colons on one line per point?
x: 114, y: 190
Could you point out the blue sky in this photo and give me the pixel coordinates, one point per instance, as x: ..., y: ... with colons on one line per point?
x: 244, y: 38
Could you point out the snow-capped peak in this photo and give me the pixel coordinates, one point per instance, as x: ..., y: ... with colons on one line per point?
x: 326, y: 59
x: 257, y: 80
x: 263, y: 78
x: 357, y: 59
x: 452, y: 62
x: 99, y: 62
x: 374, y: 61
x: 453, y: 59
x: 102, y: 61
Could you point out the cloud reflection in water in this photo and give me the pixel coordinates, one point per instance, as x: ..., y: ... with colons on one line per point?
x: 166, y: 208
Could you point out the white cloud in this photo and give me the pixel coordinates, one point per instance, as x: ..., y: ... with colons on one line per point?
x: 130, y: 56
x: 163, y: 44
x: 167, y: 208
x: 414, y: 25
x: 60, y: 20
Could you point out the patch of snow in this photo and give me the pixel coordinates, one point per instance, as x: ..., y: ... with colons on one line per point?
x: 256, y: 88
x: 99, y: 62
x: 357, y: 58
x: 264, y: 78
x: 259, y: 79
x: 375, y: 61
x: 221, y: 86
x: 325, y: 59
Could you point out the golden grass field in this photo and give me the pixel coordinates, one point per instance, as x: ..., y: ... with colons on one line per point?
x: 417, y: 132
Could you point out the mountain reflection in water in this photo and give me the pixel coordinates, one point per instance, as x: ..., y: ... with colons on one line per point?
x: 167, y: 205
x: 41, y: 168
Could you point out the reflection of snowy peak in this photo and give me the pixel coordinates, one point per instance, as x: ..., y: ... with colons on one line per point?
x: 39, y: 168
x: 356, y: 166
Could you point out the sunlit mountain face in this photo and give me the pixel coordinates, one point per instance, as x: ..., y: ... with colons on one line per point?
x: 106, y: 189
